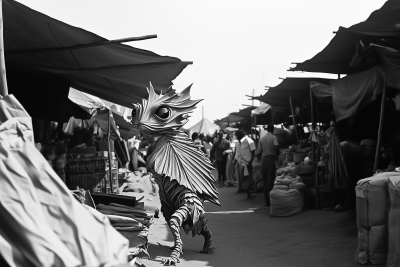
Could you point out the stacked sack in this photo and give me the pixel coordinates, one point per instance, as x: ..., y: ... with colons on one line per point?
x: 257, y: 176
x: 287, y: 196
x: 378, y: 219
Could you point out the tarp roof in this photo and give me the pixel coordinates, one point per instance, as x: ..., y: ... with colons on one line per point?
x: 84, y: 99
x: 117, y: 73
x: 297, y: 88
x: 381, y: 25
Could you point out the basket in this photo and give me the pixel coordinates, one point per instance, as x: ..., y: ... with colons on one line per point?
x: 290, y: 157
x: 298, y: 158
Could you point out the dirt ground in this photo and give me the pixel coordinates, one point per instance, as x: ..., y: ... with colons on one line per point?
x: 245, y: 235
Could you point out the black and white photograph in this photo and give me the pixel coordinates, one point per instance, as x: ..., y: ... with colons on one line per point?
x: 199, y: 133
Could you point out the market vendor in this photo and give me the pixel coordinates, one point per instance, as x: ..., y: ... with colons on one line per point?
x: 268, y: 148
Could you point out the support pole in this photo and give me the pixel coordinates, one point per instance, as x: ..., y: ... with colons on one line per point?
x: 378, y: 146
x: 315, y: 161
x: 109, y: 152
x: 3, y: 78
x: 294, y: 121
x: 272, y: 115
x: 338, y: 70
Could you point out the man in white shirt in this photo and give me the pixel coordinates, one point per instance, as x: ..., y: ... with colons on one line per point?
x: 244, y: 156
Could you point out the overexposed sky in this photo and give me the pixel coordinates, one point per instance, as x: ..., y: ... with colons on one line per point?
x: 236, y: 46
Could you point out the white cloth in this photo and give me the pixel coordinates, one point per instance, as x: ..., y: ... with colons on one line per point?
x: 243, y: 152
x: 42, y: 224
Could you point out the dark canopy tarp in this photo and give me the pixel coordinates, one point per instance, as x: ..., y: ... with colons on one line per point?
x: 338, y: 54
x: 44, y: 97
x: 353, y: 92
x: 323, y: 92
x: 235, y: 118
x: 297, y: 88
x: 117, y: 73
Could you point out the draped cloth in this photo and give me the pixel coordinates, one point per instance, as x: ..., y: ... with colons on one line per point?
x: 336, y: 163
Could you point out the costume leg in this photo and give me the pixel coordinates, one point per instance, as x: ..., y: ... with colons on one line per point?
x: 208, y: 246
x: 181, y: 215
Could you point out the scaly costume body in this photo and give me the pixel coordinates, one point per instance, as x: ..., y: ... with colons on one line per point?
x: 181, y: 170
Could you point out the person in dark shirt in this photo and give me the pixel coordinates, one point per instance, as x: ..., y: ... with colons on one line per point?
x: 268, y: 149
x: 217, y: 154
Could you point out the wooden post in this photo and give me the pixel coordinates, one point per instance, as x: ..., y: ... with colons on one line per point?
x: 3, y: 78
x: 378, y: 146
x: 109, y: 152
x: 294, y: 121
x: 315, y: 161
x: 272, y: 115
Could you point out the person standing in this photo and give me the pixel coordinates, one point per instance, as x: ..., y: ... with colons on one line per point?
x: 268, y: 148
x: 218, y: 153
x: 230, y: 174
x: 244, y: 156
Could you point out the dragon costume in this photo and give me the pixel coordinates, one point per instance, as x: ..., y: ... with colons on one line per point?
x: 179, y: 167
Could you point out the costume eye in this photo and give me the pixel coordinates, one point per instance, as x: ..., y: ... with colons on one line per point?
x: 163, y: 112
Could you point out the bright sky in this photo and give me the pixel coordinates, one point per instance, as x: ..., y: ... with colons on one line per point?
x: 236, y: 46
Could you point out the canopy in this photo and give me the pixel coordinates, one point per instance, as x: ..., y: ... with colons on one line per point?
x: 126, y: 130
x: 296, y: 88
x: 323, y: 92
x: 262, y: 109
x: 381, y: 26
x: 204, y: 126
x: 235, y: 117
x: 84, y: 99
x: 38, y: 44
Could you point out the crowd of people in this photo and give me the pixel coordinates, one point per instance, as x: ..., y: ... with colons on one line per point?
x: 236, y: 155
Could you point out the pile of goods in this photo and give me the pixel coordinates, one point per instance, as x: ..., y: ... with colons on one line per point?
x: 294, y: 174
x: 55, y: 153
x: 295, y: 154
x: 378, y: 219
x: 132, y: 220
x: 287, y: 194
x: 90, y: 171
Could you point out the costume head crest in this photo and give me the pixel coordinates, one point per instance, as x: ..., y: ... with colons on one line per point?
x: 162, y: 114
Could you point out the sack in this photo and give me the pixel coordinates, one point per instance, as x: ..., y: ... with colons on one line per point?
x: 286, y: 202
x: 373, y: 206
x: 393, y: 259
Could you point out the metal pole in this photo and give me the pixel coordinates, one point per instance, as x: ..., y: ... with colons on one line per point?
x: 338, y: 70
x: 3, y: 78
x: 378, y: 146
x: 294, y: 121
x: 109, y: 152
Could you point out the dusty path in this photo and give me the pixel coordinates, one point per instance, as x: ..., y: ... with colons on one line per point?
x: 245, y: 235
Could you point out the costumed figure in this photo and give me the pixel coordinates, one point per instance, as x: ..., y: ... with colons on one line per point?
x: 179, y: 167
